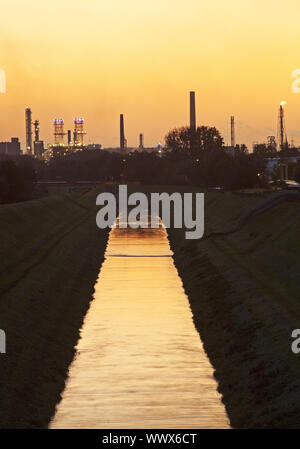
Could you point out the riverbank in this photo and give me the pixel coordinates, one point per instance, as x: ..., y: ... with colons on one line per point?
x: 242, y: 287
x: 51, y: 253
x: 243, y: 290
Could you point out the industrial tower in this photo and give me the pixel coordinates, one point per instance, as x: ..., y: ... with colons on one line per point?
x: 69, y: 137
x: 36, y: 125
x: 59, y: 132
x: 282, y: 136
x: 232, y: 129
x: 122, y: 133
x: 272, y: 142
x: 28, y: 120
x: 78, y: 131
x: 141, y: 145
x: 192, y: 112
x: 38, y: 145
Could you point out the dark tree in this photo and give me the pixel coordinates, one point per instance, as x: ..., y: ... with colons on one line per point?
x: 194, y: 143
x: 245, y: 171
x: 17, y: 180
x: 263, y: 150
x: 297, y: 173
x: 210, y: 168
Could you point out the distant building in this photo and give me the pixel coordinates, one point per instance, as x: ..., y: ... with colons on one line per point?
x: 281, y: 166
x: 132, y: 150
x: 272, y: 165
x: 272, y: 142
x: 125, y: 150
x: 151, y: 150
x: 38, y: 148
x: 11, y: 148
x: 93, y: 146
x: 66, y: 150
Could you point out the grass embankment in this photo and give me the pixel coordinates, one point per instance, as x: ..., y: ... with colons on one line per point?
x: 243, y: 290
x: 51, y: 252
x: 244, y: 293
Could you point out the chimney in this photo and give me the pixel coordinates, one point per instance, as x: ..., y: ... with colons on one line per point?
x: 232, y: 128
x: 192, y: 111
x: 69, y: 137
x: 122, y: 134
x: 28, y: 130
x: 36, y: 130
x: 141, y: 141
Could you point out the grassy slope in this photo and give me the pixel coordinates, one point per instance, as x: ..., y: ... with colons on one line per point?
x: 243, y: 290
x: 51, y: 252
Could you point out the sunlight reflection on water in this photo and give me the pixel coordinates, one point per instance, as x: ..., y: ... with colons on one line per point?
x: 140, y: 362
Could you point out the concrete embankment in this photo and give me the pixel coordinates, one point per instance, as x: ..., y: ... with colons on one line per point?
x: 244, y: 293
x: 51, y: 253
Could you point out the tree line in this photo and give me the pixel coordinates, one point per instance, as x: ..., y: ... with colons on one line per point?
x: 17, y: 179
x: 189, y: 157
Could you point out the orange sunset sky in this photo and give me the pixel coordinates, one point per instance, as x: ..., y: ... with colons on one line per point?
x: 97, y: 59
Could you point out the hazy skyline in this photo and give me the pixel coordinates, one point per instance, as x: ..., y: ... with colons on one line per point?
x: 97, y: 60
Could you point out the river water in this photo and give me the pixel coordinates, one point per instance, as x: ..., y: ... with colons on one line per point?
x: 140, y: 362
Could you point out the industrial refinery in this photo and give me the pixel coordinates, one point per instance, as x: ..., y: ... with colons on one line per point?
x: 67, y: 140
x: 61, y: 144
x: 73, y: 142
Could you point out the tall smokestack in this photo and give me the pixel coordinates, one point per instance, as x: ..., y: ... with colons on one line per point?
x: 282, y: 129
x: 232, y: 131
x: 192, y: 111
x: 36, y: 125
x: 141, y: 146
x: 122, y: 133
x: 69, y: 137
x: 281, y: 119
x: 28, y: 120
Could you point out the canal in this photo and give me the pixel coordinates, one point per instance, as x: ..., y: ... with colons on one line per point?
x: 140, y: 362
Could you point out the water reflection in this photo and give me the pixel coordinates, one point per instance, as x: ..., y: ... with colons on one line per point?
x: 140, y: 362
